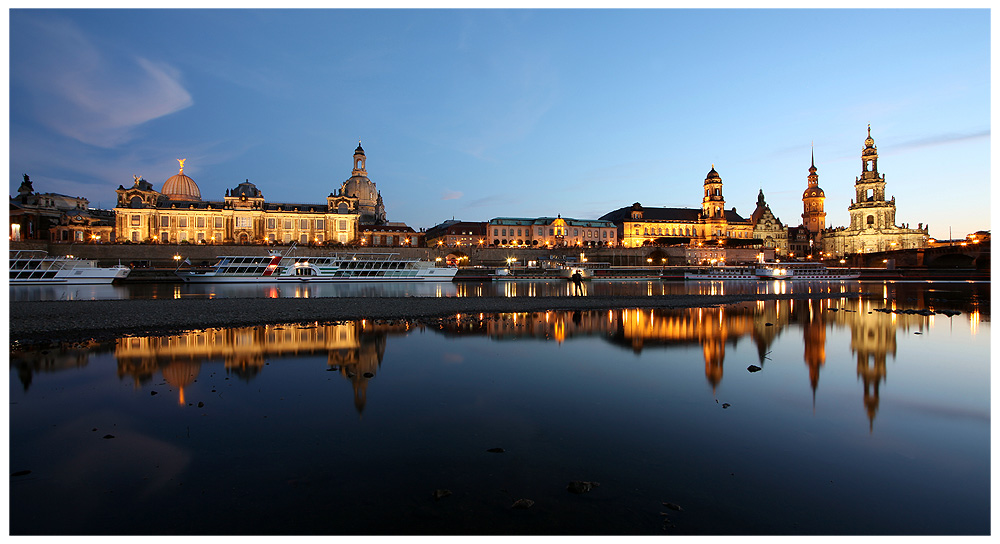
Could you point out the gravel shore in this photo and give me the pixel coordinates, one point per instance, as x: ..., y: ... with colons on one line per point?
x: 49, y: 322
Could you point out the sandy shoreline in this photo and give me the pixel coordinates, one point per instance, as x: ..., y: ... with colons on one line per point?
x: 47, y: 322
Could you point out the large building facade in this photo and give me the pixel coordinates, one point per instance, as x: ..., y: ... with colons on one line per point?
x: 873, y: 217
x: 639, y: 225
x: 550, y: 232
x: 178, y: 214
x: 57, y: 218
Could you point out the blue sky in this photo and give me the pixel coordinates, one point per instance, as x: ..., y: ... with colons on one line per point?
x: 476, y: 114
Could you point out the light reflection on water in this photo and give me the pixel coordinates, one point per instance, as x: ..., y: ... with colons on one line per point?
x: 855, y: 419
x: 435, y: 289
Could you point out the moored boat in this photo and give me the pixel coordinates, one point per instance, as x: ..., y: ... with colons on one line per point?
x: 773, y: 271
x: 37, y: 267
x: 276, y: 267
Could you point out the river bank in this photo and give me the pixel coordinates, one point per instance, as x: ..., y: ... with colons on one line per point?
x: 53, y: 322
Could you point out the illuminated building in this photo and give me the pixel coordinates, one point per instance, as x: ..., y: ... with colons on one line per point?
x: 57, y: 218
x: 454, y: 233
x: 639, y: 225
x: 178, y: 214
x: 873, y: 218
x: 550, y: 232
x: 813, y: 198
x: 768, y: 228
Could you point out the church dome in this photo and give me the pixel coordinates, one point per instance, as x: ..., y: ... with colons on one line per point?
x: 812, y: 192
x: 181, y: 187
x: 362, y: 188
x: 712, y: 174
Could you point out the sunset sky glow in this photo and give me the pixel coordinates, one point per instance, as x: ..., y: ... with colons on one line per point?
x: 476, y: 114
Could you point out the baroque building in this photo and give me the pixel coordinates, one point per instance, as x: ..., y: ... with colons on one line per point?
x: 178, y: 214
x: 550, y: 232
x: 873, y: 218
x: 57, y: 218
x: 639, y: 225
x: 813, y: 198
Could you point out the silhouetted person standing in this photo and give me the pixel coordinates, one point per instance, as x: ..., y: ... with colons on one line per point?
x: 578, y: 282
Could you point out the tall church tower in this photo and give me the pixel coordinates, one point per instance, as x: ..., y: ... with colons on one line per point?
x: 813, y: 216
x: 713, y: 206
x: 870, y: 209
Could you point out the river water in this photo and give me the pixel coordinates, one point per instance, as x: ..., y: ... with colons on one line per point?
x: 771, y: 417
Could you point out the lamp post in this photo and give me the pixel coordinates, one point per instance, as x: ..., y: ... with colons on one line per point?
x: 177, y: 259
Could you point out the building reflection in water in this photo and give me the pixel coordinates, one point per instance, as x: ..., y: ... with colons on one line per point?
x: 355, y: 349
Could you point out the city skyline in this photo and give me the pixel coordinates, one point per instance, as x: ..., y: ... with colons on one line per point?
x: 476, y: 114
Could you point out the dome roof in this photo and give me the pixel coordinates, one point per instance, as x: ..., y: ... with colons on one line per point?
x: 246, y: 189
x: 359, y: 151
x: 181, y: 187
x: 362, y: 188
x: 813, y: 192
x: 712, y: 174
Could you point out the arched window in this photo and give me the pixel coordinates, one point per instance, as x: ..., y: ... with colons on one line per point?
x: 342, y: 207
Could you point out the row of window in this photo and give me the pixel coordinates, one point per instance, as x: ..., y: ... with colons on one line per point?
x: 557, y: 231
x: 241, y: 222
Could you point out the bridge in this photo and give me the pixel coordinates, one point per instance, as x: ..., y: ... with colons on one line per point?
x: 968, y: 255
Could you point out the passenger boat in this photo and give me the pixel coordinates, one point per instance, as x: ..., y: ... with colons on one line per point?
x: 36, y: 267
x: 773, y: 271
x: 561, y: 273
x: 276, y: 267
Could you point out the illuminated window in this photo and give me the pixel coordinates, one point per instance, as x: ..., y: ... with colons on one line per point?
x: 320, y: 224
x: 342, y: 225
x: 135, y: 220
x: 270, y: 222
x: 182, y: 222
x: 303, y: 224
x: 164, y: 221
x: 200, y: 222
x: 218, y: 222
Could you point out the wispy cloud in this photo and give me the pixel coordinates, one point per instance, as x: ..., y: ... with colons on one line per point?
x: 493, y: 200
x: 941, y: 139
x: 98, y: 97
x: 451, y: 195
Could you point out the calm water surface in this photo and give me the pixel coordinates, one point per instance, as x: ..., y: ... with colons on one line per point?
x: 447, y: 289
x: 858, y: 422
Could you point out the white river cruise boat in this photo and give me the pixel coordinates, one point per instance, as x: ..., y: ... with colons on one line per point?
x: 773, y: 271
x: 281, y: 268
x: 36, y: 267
